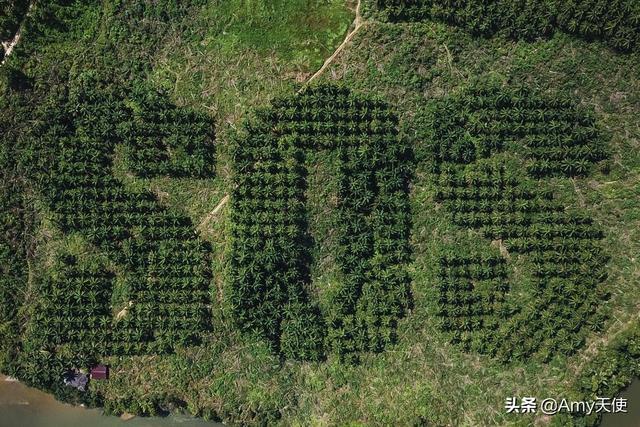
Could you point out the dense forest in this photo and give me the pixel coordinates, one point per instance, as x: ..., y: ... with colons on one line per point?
x: 615, y: 22
x: 449, y: 213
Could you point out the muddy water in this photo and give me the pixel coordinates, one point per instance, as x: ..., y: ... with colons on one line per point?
x: 21, y: 406
x: 632, y: 417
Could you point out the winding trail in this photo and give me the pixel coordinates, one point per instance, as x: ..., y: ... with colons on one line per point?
x: 358, y: 23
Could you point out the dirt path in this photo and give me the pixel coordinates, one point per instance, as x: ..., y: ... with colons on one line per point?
x: 217, y: 209
x: 356, y: 25
x: 579, y: 194
x: 124, y: 311
x: 11, y: 44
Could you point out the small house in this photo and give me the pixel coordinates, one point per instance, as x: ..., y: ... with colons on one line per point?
x: 100, y: 372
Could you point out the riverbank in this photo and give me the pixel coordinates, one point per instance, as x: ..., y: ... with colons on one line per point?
x: 27, y: 407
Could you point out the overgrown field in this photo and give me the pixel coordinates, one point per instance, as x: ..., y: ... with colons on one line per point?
x: 450, y: 218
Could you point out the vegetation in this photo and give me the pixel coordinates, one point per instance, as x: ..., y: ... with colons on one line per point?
x: 68, y: 329
x: 12, y: 13
x: 499, y: 262
x: 617, y: 22
x: 154, y: 295
x: 271, y: 251
x: 470, y: 130
x: 165, y: 269
x: 15, y: 220
x: 567, y: 267
x: 610, y: 371
x: 557, y: 136
x: 162, y: 139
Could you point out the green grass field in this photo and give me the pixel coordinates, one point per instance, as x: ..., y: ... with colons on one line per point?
x: 226, y: 58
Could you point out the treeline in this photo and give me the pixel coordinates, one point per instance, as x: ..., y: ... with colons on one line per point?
x: 14, y: 243
x: 270, y: 255
x: 615, y: 22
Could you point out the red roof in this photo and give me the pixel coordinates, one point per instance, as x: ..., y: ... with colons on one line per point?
x: 100, y: 372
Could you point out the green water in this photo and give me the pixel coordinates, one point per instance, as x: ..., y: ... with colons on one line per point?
x: 21, y: 406
x: 632, y: 417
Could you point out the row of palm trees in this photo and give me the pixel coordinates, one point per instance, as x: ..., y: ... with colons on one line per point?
x: 270, y: 249
x: 472, y: 286
x: 164, y: 266
x: 559, y: 137
x: 76, y: 310
x: 566, y: 265
x: 617, y: 22
x: 270, y: 256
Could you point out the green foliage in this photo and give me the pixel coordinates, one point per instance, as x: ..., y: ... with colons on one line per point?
x: 558, y: 137
x: 471, y: 305
x: 14, y: 223
x: 567, y: 266
x: 616, y: 22
x: 270, y: 242
x: 70, y: 326
x: 69, y: 157
x: 11, y: 14
x: 163, y: 139
x: 211, y: 57
x: 471, y: 134
x: 300, y: 31
x: 615, y: 367
x: 608, y: 373
x: 302, y: 332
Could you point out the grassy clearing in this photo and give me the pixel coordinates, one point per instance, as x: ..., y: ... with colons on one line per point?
x: 239, y: 53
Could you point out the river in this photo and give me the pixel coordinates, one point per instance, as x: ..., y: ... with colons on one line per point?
x: 632, y: 417
x: 21, y: 406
